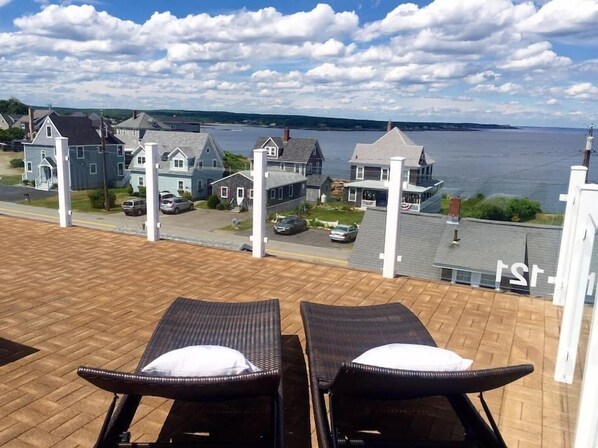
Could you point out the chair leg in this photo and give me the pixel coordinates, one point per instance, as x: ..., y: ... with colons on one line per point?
x: 333, y: 432
x: 120, y: 422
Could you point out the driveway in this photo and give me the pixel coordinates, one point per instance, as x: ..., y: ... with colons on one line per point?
x: 310, y: 237
x: 13, y: 193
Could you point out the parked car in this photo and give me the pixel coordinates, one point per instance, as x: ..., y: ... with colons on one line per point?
x: 344, y: 233
x: 166, y: 195
x: 134, y: 206
x: 290, y: 225
x: 175, y: 205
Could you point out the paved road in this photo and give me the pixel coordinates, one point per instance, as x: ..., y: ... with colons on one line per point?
x: 14, y: 193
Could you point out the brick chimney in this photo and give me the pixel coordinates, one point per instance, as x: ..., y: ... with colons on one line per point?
x: 31, y: 128
x: 454, y: 210
x: 389, y: 126
x: 286, y: 135
x: 134, y: 114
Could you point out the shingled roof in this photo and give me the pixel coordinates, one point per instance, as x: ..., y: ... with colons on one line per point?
x: 392, y: 144
x: 80, y: 131
x: 142, y: 121
x: 296, y: 150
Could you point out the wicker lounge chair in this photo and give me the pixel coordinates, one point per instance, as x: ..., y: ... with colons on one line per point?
x: 253, y: 328
x: 373, y: 406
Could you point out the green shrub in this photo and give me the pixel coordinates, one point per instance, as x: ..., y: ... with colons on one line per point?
x: 213, y: 202
x: 130, y: 190
x: 25, y: 182
x: 96, y: 198
x: 17, y: 163
x: 187, y: 195
x: 302, y: 209
x: 142, y: 191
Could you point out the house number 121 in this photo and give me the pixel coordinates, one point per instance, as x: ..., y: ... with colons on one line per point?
x: 518, y: 269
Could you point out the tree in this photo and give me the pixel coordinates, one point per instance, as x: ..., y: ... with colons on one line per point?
x: 13, y: 106
x: 10, y: 134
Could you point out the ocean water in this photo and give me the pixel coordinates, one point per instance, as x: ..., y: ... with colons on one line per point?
x: 529, y: 162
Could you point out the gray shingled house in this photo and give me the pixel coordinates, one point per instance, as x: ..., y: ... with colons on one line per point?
x: 370, y: 169
x: 294, y: 155
x: 189, y: 162
x: 85, y: 154
x: 514, y: 257
x: 284, y: 191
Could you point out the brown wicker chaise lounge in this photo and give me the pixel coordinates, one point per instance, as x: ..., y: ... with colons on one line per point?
x: 361, y: 405
x: 252, y: 328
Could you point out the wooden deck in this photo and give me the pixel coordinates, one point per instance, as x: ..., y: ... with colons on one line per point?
x: 79, y: 296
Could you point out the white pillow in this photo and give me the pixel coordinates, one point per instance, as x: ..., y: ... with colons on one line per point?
x: 414, y: 357
x: 200, y: 360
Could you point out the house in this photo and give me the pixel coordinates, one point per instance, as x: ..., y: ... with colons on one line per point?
x: 138, y: 125
x: 516, y: 257
x: 33, y: 120
x: 189, y: 162
x: 180, y: 123
x: 284, y: 190
x: 86, y: 157
x: 319, y: 187
x: 370, y: 169
x: 6, y: 121
x: 294, y: 155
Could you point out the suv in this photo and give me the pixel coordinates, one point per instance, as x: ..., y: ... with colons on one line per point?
x: 175, y: 205
x: 134, y: 206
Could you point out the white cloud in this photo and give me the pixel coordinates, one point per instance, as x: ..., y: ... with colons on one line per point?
x: 4, y: 2
x: 583, y: 91
x: 331, y: 72
x: 535, y: 56
x: 508, y: 88
x: 478, y: 78
x: 563, y: 17
x: 552, y: 101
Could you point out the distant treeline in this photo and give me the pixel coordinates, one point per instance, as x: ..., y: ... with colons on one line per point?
x: 13, y: 105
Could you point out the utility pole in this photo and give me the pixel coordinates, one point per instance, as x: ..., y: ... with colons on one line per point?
x: 104, y: 174
x: 588, y: 150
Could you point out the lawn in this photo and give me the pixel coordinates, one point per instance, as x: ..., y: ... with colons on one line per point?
x: 80, y: 201
x: 10, y: 179
x: 333, y: 212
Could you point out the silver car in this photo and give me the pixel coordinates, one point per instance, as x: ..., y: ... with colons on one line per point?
x: 175, y: 205
x: 344, y: 233
x: 289, y: 225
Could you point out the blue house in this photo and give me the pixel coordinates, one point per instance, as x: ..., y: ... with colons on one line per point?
x: 86, y: 156
x: 189, y: 162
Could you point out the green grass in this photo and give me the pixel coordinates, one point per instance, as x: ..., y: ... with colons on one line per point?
x: 10, y: 180
x: 336, y: 212
x: 80, y: 201
x: 550, y: 219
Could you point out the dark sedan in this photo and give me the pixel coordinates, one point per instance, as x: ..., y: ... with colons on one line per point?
x: 290, y: 225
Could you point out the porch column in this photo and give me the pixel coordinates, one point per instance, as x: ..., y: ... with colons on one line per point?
x: 581, y: 255
x: 259, y: 174
x: 152, y: 224
x: 393, y: 215
x: 577, y: 179
x: 65, y: 213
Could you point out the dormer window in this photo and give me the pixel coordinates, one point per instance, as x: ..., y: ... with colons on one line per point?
x: 271, y: 151
x: 140, y: 160
x: 178, y: 164
x: 49, y: 131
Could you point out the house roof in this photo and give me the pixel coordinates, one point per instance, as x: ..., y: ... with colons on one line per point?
x: 131, y: 142
x: 293, y: 150
x: 317, y: 180
x: 425, y: 245
x: 274, y: 179
x: 80, y: 131
x: 192, y: 144
x: 142, y: 121
x: 392, y: 144
x: 8, y: 118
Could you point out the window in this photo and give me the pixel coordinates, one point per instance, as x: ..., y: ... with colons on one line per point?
x: 280, y: 193
x: 384, y: 174
x: 359, y: 172
x: 297, y: 168
x: 271, y: 151
x: 43, y: 154
x: 282, y: 167
x: 120, y: 169
x: 181, y: 185
x: 178, y: 163
x: 199, y: 185
x: 463, y: 277
x: 251, y: 193
x: 100, y: 149
x: 208, y: 150
x: 273, y: 194
x: 141, y: 160
x: 224, y: 192
x: 200, y: 164
x: 214, y: 163
x: 29, y: 167
x: 80, y: 154
x: 48, y: 131
x: 140, y: 181
x: 119, y: 150
x: 352, y: 195
x: 93, y: 168
x: 290, y: 191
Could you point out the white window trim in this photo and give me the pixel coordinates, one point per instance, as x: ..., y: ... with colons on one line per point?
x: 251, y: 193
x: 120, y: 169
x: 140, y: 160
x: 95, y: 168
x: 29, y: 167
x: 271, y: 151
x: 273, y: 193
x: 382, y: 172
x: 119, y: 150
x: 280, y: 192
x: 181, y: 185
x: 290, y: 191
x: 49, y: 131
x: 215, y: 163
x: 352, y: 197
x: 174, y: 164
x: 140, y: 181
x: 224, y: 192
x: 359, y: 172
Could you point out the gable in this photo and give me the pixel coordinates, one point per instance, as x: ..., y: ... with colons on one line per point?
x: 42, y: 138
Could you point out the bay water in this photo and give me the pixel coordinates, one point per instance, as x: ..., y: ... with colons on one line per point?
x: 528, y: 162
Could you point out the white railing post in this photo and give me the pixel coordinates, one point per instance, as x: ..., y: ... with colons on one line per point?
x: 152, y: 223
x: 393, y: 215
x: 576, y: 179
x: 259, y: 204
x: 63, y: 172
x: 581, y: 255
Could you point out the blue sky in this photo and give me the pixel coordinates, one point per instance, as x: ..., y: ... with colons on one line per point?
x: 489, y: 61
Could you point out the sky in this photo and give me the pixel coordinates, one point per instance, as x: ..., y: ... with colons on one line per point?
x: 523, y: 63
